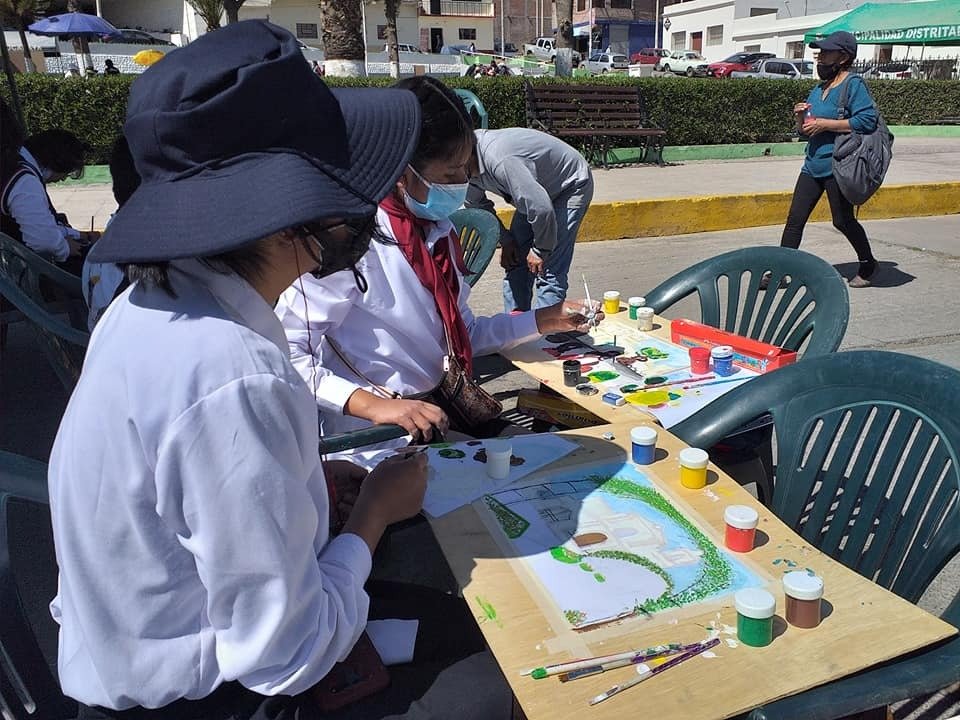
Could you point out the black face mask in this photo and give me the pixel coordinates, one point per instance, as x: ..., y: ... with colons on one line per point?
x: 334, y: 257
x: 828, y: 72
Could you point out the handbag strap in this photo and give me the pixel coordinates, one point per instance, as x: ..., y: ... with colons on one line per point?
x: 385, y: 392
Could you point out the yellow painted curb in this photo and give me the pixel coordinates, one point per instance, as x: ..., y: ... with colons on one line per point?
x: 679, y: 216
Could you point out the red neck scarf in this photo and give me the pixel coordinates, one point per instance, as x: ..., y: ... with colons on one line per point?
x: 437, y: 272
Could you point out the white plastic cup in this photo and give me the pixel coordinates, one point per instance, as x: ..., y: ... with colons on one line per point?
x: 645, y: 318
x: 499, y: 453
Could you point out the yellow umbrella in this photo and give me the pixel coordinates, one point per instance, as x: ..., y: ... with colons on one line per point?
x: 147, y: 57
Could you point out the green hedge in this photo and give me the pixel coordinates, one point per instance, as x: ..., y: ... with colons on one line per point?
x: 693, y: 111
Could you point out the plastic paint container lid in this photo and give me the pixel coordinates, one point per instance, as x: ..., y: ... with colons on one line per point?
x: 802, y: 585
x: 755, y: 603
x: 645, y: 311
x: 498, y: 447
x: 636, y: 301
x: 643, y: 435
x: 611, y: 295
x: 742, y: 517
x: 722, y: 351
x: 694, y: 458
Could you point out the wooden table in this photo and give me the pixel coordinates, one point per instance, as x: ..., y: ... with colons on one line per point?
x: 532, y: 359
x: 863, y: 624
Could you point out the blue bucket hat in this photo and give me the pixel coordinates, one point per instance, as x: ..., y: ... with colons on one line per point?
x: 235, y: 138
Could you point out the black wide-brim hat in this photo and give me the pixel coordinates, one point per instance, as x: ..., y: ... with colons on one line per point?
x: 235, y: 138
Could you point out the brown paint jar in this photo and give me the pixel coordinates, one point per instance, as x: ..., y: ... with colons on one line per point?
x: 804, y: 593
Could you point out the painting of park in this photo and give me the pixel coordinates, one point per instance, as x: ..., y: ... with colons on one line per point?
x: 606, y: 545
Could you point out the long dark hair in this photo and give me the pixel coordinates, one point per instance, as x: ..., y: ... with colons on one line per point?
x: 446, y: 126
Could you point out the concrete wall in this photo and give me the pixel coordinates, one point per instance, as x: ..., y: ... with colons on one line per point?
x: 152, y: 15
x: 451, y: 26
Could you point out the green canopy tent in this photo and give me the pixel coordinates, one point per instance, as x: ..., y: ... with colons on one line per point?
x: 921, y: 22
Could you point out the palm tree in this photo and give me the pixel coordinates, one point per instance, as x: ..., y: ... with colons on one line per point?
x: 210, y: 11
x: 232, y: 8
x: 20, y: 14
x: 393, y: 54
x: 564, y: 42
x: 344, y: 53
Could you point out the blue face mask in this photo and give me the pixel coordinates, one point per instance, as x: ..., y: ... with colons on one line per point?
x: 442, y: 200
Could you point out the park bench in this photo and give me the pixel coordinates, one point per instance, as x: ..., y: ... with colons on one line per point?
x: 598, y: 116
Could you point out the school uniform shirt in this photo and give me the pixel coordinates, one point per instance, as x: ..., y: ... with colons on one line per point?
x: 190, y: 510
x: 392, y: 333
x: 529, y: 169
x: 26, y: 202
x: 860, y: 110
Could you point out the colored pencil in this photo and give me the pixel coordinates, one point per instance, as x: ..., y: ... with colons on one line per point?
x: 716, y: 382
x: 571, y: 665
x: 616, y: 689
x: 613, y: 665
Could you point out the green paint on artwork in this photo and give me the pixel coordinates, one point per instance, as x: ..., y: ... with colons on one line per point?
x: 563, y: 555
x: 600, y: 376
x: 440, y: 445
x: 513, y: 525
x: 452, y: 453
x: 653, y: 353
x: 599, y: 578
x: 575, y: 617
x: 674, y: 395
x: 629, y: 388
x: 489, y: 611
x: 586, y: 566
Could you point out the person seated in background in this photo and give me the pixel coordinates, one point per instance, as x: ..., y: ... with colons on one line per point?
x: 192, y: 514
x: 492, y: 69
x: 373, y: 354
x: 551, y: 186
x: 26, y: 211
x: 102, y: 282
x: 109, y: 68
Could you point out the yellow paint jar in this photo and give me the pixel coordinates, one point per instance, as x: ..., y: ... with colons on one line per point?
x: 611, y: 302
x: 693, y: 468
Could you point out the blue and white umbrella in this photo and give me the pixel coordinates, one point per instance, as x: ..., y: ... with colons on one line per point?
x: 74, y: 26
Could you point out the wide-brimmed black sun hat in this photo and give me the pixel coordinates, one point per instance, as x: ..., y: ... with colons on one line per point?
x: 235, y: 138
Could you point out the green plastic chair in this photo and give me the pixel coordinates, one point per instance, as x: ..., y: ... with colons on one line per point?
x: 28, y: 581
x: 839, y: 420
x: 26, y: 281
x: 479, y: 235
x: 814, y: 306
x: 473, y: 105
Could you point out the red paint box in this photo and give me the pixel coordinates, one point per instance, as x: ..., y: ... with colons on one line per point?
x: 741, y: 530
x: 699, y: 360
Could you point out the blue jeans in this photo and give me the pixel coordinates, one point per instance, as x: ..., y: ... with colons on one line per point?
x: 551, y: 287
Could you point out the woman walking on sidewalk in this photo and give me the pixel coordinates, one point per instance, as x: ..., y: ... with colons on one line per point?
x: 815, y: 119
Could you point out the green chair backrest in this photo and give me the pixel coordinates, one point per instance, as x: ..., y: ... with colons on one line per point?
x: 479, y: 234
x: 26, y: 281
x: 867, y: 458
x: 473, y: 105
x: 814, y: 306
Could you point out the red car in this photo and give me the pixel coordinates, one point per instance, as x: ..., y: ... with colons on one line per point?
x: 740, y: 61
x: 648, y: 56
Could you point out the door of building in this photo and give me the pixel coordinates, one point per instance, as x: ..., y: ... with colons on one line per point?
x: 436, y: 39
x: 696, y: 41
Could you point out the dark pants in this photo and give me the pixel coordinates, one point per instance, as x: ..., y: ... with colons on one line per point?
x: 806, y: 194
x: 447, y: 634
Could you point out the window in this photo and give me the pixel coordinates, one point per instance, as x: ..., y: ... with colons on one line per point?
x: 758, y: 11
x: 715, y: 35
x: 751, y: 48
x: 795, y: 50
x: 307, y: 30
x: 598, y: 3
x: 381, y: 32
x: 468, y: 33
x: 622, y: 4
x: 678, y: 40
x: 581, y: 5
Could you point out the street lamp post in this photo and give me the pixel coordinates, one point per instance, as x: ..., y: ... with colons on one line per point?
x: 503, y: 37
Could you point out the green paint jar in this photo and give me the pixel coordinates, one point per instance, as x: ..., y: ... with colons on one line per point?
x: 755, y: 609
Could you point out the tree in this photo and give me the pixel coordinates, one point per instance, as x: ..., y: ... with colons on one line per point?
x: 20, y: 14
x: 232, y: 8
x: 344, y: 52
x: 393, y: 54
x: 210, y: 11
x: 564, y: 42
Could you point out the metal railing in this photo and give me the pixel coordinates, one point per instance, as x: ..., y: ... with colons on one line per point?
x: 944, y: 68
x: 467, y: 8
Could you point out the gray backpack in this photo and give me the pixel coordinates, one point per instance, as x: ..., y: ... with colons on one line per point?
x: 860, y: 160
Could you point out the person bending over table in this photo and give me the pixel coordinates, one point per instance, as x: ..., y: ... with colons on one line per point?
x: 357, y: 348
x: 551, y: 186
x: 26, y: 212
x: 198, y: 576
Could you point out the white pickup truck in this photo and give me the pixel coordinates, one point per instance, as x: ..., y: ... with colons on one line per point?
x: 543, y: 49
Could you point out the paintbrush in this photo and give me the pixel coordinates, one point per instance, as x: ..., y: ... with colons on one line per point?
x: 647, y: 674
x: 680, y: 382
x: 591, y: 312
x: 714, y: 382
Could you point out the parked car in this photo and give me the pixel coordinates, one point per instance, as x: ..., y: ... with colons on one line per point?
x: 543, y: 49
x: 135, y: 37
x: 648, y: 56
x: 892, y: 71
x: 778, y: 69
x: 455, y: 50
x: 604, y: 63
x: 509, y: 49
x: 403, y: 47
x: 688, y: 62
x: 740, y: 61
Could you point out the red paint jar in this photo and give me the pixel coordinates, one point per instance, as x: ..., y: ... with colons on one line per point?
x: 741, y: 522
x: 699, y: 360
